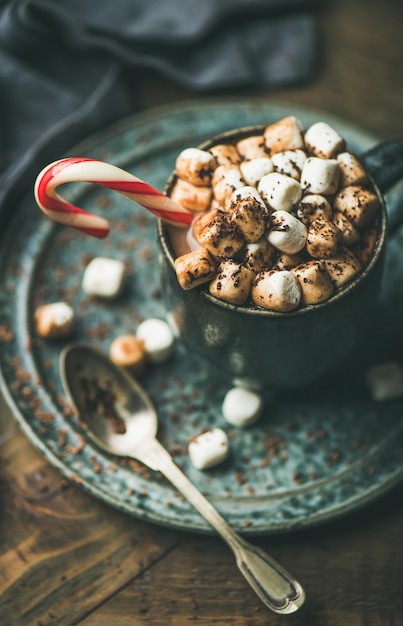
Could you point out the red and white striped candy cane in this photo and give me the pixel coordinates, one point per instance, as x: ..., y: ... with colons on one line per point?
x: 75, y: 169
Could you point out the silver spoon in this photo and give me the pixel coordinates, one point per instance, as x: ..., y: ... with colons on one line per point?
x: 120, y: 418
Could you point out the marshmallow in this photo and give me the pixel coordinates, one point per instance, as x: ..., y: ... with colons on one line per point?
x: 129, y: 352
x: 225, y: 181
x: 288, y: 261
x: 232, y: 283
x: 195, y: 166
x: 343, y: 267
x: 364, y: 249
x: 289, y: 162
x: 248, y: 211
x: 208, y: 449
x: 313, y: 206
x: 276, y: 291
x: 252, y: 147
x: 103, y: 277
x: 54, y: 320
x: 215, y: 232
x: 316, y: 285
x: 252, y: 171
x: 157, y: 337
x: 352, y: 171
x: 349, y: 233
x: 323, y: 239
x: 226, y: 154
x: 259, y: 255
x: 191, y: 197
x: 385, y: 381
x: 286, y: 233
x: 279, y: 192
x: 286, y: 134
x: 323, y: 141
x: 242, y: 407
x: 358, y: 204
x: 320, y: 176
x: 194, y: 268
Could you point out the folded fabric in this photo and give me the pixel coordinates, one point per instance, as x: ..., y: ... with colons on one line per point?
x: 64, y: 68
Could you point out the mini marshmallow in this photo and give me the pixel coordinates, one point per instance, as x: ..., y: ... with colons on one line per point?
x: 225, y: 181
x: 358, y: 204
x: 316, y: 285
x: 252, y: 147
x: 313, y: 206
x: 286, y: 134
x: 157, y: 337
x: 248, y: 211
x: 279, y: 192
x: 103, y: 277
x: 129, y: 352
x: 289, y: 163
x: 226, y: 154
x: 323, y: 239
x: 208, y: 449
x: 259, y: 255
x: 191, y: 197
x: 286, y: 232
x: 323, y: 140
x: 276, y: 291
x: 288, y: 261
x: 194, y: 268
x: 242, y: 407
x: 215, y: 232
x: 196, y: 166
x: 232, y: 283
x: 252, y: 171
x: 54, y: 320
x: 349, y: 233
x: 352, y: 172
x: 385, y: 381
x: 320, y: 176
x: 343, y: 267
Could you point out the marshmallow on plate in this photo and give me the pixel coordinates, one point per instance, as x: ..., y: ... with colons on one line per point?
x: 157, y: 337
x: 191, y: 197
x: 279, y: 192
x: 323, y: 140
x: 252, y: 171
x: 196, y: 166
x: 286, y: 232
x: 276, y: 291
x: 232, y: 283
x: 241, y: 406
x: 129, y: 352
x: 209, y: 448
x: 54, y: 320
x: 194, y: 268
x: 320, y: 176
x: 385, y: 381
x: 103, y: 277
x: 286, y: 134
x: 289, y: 162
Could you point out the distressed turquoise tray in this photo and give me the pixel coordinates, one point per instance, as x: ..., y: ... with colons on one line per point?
x: 315, y: 455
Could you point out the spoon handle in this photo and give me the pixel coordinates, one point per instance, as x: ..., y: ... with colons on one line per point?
x: 273, y: 584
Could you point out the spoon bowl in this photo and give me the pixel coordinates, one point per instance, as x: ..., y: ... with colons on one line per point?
x: 120, y: 418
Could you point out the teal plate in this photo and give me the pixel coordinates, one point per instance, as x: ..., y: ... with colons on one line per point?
x: 315, y: 455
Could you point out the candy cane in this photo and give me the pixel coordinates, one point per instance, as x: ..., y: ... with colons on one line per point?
x: 91, y: 171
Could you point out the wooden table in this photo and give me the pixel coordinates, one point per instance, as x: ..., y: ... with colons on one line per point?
x: 66, y: 558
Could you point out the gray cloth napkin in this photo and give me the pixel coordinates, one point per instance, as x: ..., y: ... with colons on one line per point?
x: 68, y: 69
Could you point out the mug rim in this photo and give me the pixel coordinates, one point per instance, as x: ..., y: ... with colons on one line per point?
x: 306, y: 309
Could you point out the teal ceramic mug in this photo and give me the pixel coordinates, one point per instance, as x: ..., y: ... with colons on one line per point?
x: 267, y: 349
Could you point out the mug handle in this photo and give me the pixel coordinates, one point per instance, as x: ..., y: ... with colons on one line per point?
x: 384, y: 162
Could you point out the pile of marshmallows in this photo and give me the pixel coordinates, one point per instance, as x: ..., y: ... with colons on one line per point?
x: 282, y: 219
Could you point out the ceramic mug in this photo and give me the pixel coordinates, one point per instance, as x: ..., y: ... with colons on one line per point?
x: 267, y: 349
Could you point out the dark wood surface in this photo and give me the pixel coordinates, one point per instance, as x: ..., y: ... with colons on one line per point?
x: 66, y: 558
